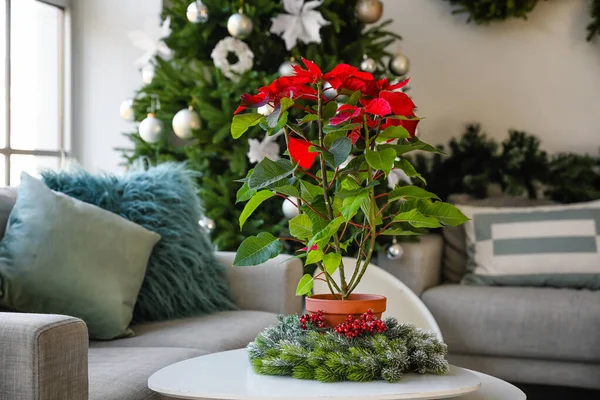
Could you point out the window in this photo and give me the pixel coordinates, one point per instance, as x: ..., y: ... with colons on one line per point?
x: 33, y: 64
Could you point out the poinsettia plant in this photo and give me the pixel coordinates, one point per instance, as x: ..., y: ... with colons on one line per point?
x: 345, y: 143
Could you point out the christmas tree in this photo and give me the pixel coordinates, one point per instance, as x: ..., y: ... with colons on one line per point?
x: 220, y: 49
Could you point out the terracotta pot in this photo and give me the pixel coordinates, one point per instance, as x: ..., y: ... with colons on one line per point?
x: 336, y: 311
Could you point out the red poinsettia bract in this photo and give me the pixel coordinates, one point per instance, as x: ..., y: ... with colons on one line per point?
x: 298, y: 149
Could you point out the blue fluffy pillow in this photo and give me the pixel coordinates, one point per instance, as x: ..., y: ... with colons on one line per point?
x: 183, y: 276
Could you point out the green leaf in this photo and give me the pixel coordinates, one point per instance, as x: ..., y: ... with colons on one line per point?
x: 253, y: 204
x: 381, y: 159
x: 394, y: 132
x: 330, y: 109
x: 242, y: 122
x: 353, y: 99
x: 305, y: 285
x: 326, y: 233
x: 410, y: 192
x: 340, y: 149
x: 309, y: 191
x: 340, y: 128
x: 332, y: 262
x: 288, y: 190
x: 257, y: 249
x: 332, y: 137
x: 268, y: 173
x: 314, y: 256
x: 245, y: 193
x: 408, y: 169
x: 318, y: 221
x: 415, y: 218
x: 279, y: 111
x: 308, y: 118
x: 399, y: 232
x: 415, y: 144
x: 300, y: 226
x: 445, y: 213
x: 351, y: 205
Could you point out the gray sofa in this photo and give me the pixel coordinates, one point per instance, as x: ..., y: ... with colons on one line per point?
x: 520, y: 334
x: 49, y: 357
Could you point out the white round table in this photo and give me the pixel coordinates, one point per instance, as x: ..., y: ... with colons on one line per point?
x: 228, y: 376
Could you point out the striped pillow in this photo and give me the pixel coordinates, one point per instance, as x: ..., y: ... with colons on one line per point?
x: 555, y: 246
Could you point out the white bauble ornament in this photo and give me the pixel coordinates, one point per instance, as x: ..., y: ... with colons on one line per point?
x: 289, y: 209
x: 399, y: 64
x: 265, y: 110
x: 395, y: 251
x: 185, y: 121
x: 287, y: 68
x: 368, y: 64
x: 197, y: 12
x: 329, y: 91
x: 150, y: 129
x: 126, y: 110
x: 148, y: 73
x: 369, y: 11
x: 207, y: 224
x: 239, y: 26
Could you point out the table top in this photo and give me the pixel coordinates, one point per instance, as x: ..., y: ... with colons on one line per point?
x: 228, y: 376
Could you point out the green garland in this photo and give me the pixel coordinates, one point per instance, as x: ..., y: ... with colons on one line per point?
x: 486, y: 11
x: 518, y: 165
x: 287, y: 349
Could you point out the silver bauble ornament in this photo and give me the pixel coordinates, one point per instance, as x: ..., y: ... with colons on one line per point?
x: 185, y: 121
x: 207, y: 224
x: 148, y: 73
x: 287, y: 68
x: 197, y: 12
x: 329, y: 91
x: 395, y: 251
x: 289, y: 209
x: 368, y: 64
x: 150, y: 129
x: 126, y: 110
x: 369, y: 11
x: 399, y: 64
x: 239, y: 26
x: 265, y: 110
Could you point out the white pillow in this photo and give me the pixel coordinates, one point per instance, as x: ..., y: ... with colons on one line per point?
x: 554, y: 246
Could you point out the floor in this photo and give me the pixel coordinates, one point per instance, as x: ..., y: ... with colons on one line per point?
x: 536, y: 392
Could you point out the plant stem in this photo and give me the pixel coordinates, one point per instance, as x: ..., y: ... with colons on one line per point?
x: 336, y: 238
x: 372, y: 215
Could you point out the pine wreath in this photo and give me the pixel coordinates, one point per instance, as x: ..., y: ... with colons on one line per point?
x: 594, y: 26
x: 486, y: 11
x: 328, y: 355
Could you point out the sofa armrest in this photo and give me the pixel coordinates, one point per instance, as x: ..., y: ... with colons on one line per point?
x: 420, y: 266
x: 270, y: 286
x: 43, y: 357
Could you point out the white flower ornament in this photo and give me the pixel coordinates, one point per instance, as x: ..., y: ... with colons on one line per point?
x: 151, y: 41
x: 301, y: 23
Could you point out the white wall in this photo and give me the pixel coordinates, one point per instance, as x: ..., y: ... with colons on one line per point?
x: 538, y: 75
x: 104, y: 76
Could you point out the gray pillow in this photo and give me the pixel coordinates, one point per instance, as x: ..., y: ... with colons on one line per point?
x: 454, y: 265
x: 63, y: 256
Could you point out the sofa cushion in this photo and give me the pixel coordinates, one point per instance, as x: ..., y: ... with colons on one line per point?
x: 221, y: 331
x: 183, y: 278
x: 455, y: 239
x: 539, y: 323
x: 122, y: 374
